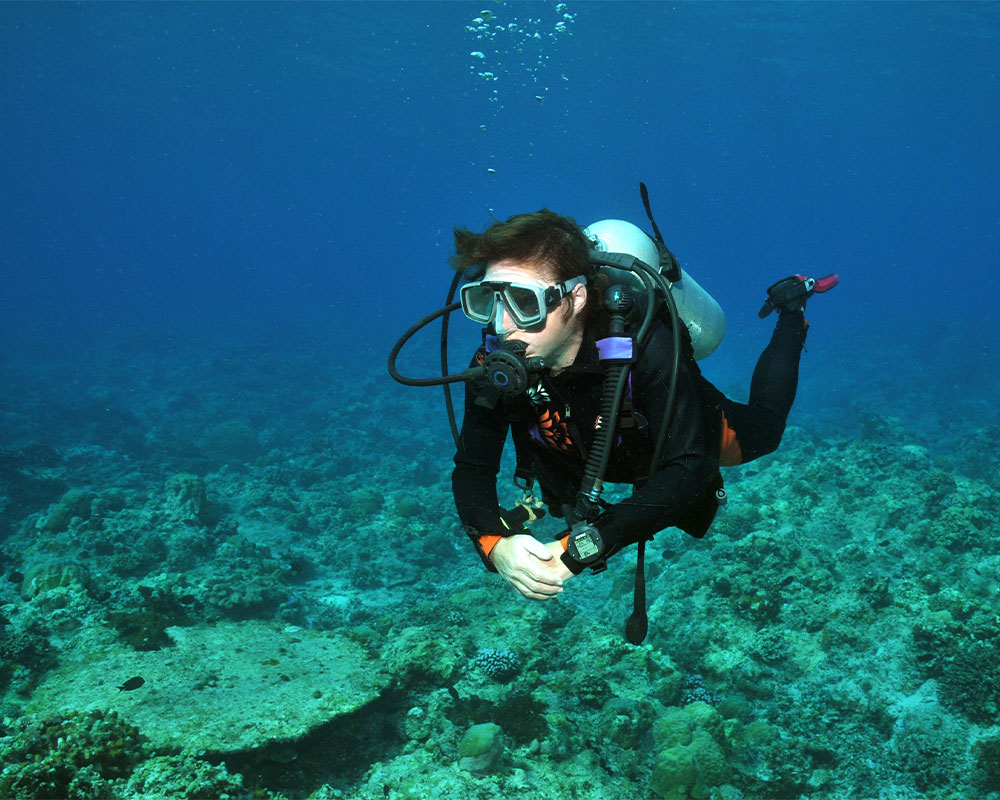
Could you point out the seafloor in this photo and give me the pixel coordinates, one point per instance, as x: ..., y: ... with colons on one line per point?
x: 233, y: 570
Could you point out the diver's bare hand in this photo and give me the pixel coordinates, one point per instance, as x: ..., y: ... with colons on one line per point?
x: 557, y: 549
x: 529, y: 566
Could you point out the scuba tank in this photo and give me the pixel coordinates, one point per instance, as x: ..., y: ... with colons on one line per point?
x: 703, y: 316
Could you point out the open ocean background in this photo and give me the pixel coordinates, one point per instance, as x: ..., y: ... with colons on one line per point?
x: 215, y: 221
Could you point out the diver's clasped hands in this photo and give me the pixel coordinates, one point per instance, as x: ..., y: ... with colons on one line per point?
x: 533, y: 568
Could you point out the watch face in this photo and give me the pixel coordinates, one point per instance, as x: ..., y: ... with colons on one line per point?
x: 585, y: 546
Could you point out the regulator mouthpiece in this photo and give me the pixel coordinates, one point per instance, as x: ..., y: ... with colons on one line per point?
x: 508, y: 372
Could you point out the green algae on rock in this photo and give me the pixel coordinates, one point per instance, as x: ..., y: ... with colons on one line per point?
x: 44, y: 577
x: 74, y: 503
x: 222, y: 688
x: 481, y: 748
x: 690, y: 758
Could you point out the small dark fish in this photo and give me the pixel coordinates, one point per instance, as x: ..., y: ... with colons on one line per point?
x: 786, y: 581
x: 269, y: 662
x: 132, y: 684
x: 16, y: 577
x: 453, y: 692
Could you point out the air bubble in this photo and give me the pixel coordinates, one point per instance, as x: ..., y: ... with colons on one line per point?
x: 517, y: 44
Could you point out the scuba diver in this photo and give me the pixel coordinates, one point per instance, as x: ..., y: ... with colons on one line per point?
x: 589, y: 361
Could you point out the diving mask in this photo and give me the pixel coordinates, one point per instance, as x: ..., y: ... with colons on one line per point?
x: 527, y: 303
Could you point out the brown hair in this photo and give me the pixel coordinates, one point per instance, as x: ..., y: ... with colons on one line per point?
x: 543, y: 238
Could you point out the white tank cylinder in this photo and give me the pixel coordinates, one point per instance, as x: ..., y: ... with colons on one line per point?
x: 699, y: 310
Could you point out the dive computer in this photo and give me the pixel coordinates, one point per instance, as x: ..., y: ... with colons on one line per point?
x: 585, y: 545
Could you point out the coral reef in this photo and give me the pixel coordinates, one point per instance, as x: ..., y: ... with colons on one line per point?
x: 71, y: 755
x: 689, y: 752
x: 500, y: 665
x: 194, y: 692
x: 76, y: 503
x: 185, y: 778
x: 231, y: 441
x: 311, y: 613
x: 46, y: 577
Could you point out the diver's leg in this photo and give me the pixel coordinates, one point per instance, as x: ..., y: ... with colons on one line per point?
x: 776, y: 376
x: 755, y: 428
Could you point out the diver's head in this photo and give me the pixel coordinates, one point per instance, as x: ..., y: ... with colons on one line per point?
x: 532, y: 275
x: 524, y: 304
x: 551, y: 243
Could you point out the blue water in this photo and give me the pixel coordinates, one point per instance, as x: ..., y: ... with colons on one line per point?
x: 231, y: 211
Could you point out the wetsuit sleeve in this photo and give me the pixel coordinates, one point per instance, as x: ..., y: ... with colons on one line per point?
x: 477, y: 463
x: 684, y: 472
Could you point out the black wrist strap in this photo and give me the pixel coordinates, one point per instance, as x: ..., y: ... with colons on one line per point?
x: 576, y: 567
x: 571, y: 563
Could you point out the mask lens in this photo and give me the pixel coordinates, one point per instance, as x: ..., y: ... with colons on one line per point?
x: 477, y: 302
x: 524, y: 305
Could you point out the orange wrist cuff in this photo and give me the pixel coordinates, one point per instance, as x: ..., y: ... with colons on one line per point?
x: 487, y: 543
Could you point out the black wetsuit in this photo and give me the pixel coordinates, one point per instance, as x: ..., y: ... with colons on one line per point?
x: 559, y: 421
